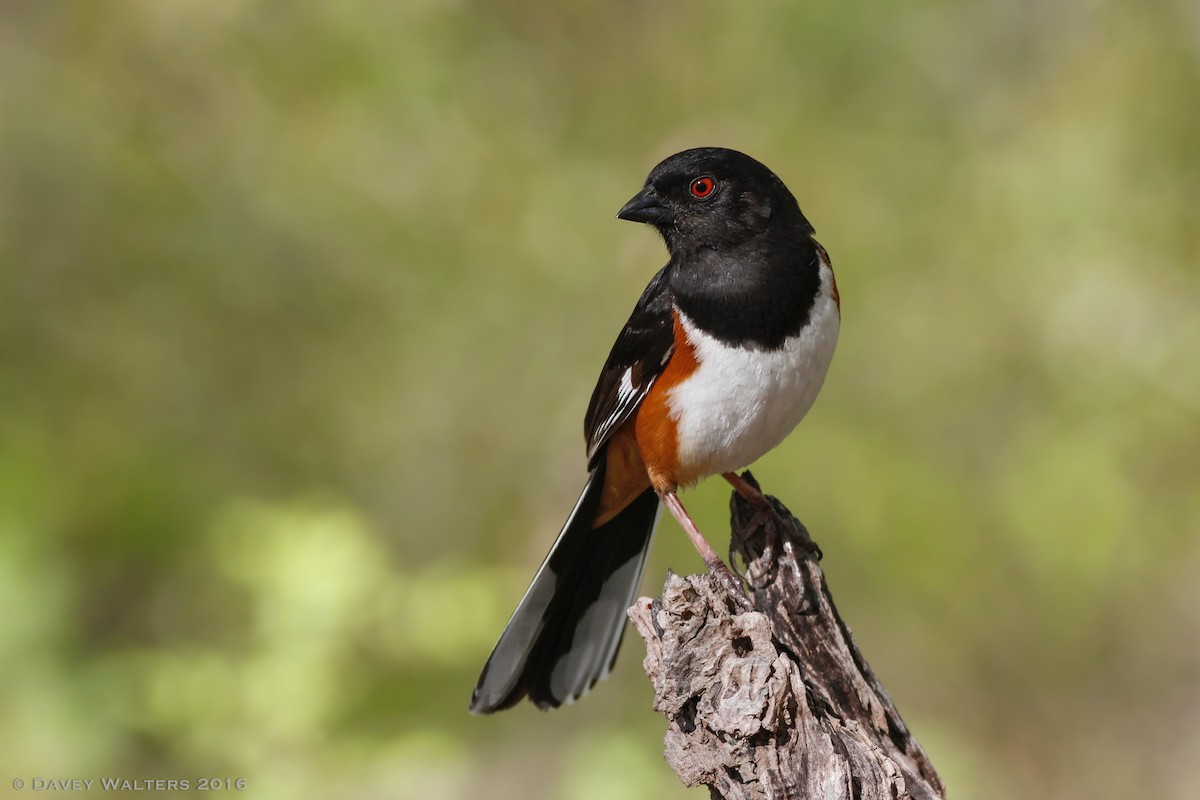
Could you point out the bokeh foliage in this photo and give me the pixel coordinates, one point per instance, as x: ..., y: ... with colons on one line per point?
x: 301, y: 304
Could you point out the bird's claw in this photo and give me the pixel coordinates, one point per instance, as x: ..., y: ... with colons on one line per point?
x: 733, y: 585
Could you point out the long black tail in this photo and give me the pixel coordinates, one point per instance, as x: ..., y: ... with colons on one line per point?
x: 564, y: 635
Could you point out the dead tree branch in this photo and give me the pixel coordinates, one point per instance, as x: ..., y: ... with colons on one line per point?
x: 777, y: 702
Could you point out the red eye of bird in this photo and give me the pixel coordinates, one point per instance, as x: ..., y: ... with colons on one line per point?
x: 703, y: 187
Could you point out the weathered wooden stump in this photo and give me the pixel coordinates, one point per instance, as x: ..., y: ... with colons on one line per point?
x: 776, y: 702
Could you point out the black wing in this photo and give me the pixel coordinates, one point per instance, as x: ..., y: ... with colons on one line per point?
x: 637, y: 359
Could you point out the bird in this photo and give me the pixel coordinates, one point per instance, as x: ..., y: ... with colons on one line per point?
x: 724, y: 353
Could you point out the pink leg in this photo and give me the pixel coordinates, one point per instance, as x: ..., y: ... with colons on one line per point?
x: 711, y: 559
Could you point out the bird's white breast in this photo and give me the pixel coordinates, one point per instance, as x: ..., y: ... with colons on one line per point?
x: 742, y: 401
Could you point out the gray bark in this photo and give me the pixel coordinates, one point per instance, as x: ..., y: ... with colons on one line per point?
x: 774, y: 702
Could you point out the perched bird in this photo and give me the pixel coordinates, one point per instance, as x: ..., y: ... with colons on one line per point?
x: 723, y: 355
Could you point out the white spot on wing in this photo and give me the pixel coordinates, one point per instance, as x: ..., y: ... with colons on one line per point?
x: 625, y: 390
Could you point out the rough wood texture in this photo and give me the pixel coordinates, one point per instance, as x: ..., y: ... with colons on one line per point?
x: 776, y: 702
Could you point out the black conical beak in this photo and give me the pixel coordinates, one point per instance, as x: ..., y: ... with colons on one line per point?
x: 646, y: 207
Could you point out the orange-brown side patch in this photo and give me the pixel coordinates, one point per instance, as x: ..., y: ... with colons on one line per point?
x: 837, y: 300
x: 657, y: 434
x: 624, y: 474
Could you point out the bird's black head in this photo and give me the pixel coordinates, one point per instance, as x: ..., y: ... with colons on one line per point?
x: 712, y: 197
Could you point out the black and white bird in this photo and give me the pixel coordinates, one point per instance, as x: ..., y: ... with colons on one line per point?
x: 723, y: 355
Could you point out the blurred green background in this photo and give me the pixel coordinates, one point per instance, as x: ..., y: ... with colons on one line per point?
x: 301, y: 304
